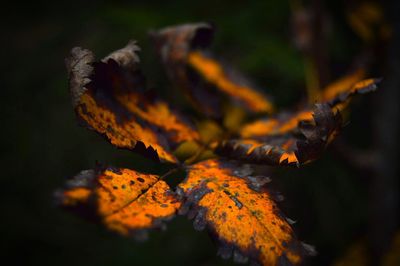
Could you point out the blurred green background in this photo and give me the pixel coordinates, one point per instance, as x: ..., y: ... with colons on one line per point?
x: 43, y: 146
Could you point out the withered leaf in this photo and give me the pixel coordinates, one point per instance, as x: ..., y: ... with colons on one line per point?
x: 342, y: 90
x: 124, y: 200
x: 205, y: 80
x: 110, y: 97
x: 301, y: 146
x: 337, y: 95
x: 245, y: 221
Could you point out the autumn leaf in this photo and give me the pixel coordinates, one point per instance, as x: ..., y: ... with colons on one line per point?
x: 337, y: 95
x: 240, y: 213
x: 282, y: 123
x: 302, y: 146
x: 124, y: 200
x: 205, y: 79
x: 339, y: 92
x: 110, y: 97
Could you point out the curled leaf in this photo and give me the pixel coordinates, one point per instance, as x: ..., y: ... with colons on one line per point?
x: 339, y: 92
x: 337, y: 95
x: 109, y: 97
x: 203, y: 78
x: 303, y: 145
x: 239, y: 214
x: 124, y: 200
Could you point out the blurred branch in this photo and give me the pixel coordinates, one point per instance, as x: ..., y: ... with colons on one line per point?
x: 309, y: 26
x: 384, y: 186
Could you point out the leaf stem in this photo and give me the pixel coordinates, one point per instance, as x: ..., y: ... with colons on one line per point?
x: 169, y: 172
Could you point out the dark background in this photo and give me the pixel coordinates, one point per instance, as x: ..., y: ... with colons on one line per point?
x: 336, y: 202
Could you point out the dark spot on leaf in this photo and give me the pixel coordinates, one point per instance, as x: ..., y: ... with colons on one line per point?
x: 110, y: 129
x: 223, y: 216
x: 141, y: 180
x: 237, y: 202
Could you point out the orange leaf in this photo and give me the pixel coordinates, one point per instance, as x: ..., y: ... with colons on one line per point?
x: 340, y: 91
x: 214, y: 73
x: 241, y: 214
x: 281, y: 124
x: 337, y: 95
x: 124, y: 200
x: 109, y: 98
x: 303, y: 145
x: 204, y: 78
